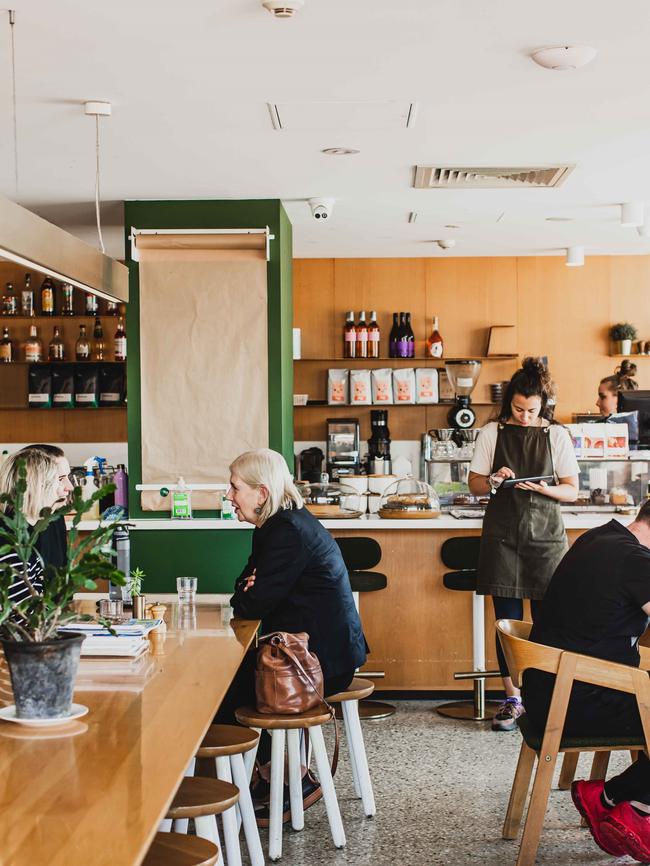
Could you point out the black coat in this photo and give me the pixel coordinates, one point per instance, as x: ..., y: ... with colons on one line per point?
x: 302, y: 584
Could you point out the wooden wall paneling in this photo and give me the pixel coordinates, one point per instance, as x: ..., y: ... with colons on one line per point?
x: 405, y: 422
x: 629, y: 289
x: 563, y: 314
x: 13, y: 386
x: 63, y: 425
x: 313, y: 308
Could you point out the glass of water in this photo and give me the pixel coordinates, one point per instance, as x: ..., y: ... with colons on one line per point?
x: 186, y: 588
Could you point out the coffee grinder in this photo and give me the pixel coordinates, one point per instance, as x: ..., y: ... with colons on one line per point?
x: 342, y: 447
x: 463, y: 376
x: 379, y: 460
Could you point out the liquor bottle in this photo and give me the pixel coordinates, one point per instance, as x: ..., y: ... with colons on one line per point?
x: 434, y: 341
x: 47, y: 297
x: 99, y: 347
x: 91, y: 304
x: 349, y: 337
x: 27, y: 299
x: 362, y: 336
x: 6, y: 348
x: 410, y: 336
x: 82, y: 346
x: 57, y: 346
x: 112, y: 308
x: 120, y: 341
x: 68, y: 300
x: 10, y: 302
x: 393, y: 339
x: 374, y: 336
x: 402, y: 338
x: 33, y: 346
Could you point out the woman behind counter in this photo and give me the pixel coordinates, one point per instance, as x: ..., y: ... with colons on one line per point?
x: 610, y: 387
x: 523, y: 537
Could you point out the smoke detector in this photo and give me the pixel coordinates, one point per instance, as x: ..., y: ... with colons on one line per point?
x: 564, y: 57
x: 283, y: 8
x: 446, y: 243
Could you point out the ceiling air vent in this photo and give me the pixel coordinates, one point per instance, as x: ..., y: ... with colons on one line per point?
x: 453, y: 177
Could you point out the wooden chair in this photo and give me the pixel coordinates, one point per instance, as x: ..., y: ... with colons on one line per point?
x: 522, y: 654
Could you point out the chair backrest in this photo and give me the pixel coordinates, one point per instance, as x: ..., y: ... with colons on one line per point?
x: 461, y: 552
x: 359, y: 553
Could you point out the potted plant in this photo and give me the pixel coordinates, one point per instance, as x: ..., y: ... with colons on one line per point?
x: 622, y: 336
x: 43, y: 662
x: 135, y: 591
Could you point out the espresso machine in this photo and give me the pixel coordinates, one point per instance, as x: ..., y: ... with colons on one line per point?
x: 342, y: 447
x: 379, y: 459
x: 463, y: 376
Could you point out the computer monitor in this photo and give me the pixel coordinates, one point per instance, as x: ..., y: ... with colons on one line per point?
x: 637, y: 401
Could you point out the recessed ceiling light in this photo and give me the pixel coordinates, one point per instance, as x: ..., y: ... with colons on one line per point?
x: 564, y: 57
x: 451, y: 226
x: 339, y: 151
x: 559, y: 219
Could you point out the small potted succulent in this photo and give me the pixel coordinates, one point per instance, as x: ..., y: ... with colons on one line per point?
x: 135, y: 591
x: 622, y: 335
x: 42, y: 661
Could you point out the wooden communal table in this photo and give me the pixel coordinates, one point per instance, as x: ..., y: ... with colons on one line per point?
x: 95, y: 790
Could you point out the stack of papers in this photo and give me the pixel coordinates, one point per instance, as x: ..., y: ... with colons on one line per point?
x: 129, y: 640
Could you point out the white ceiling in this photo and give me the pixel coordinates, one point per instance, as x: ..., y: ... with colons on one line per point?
x: 189, y: 84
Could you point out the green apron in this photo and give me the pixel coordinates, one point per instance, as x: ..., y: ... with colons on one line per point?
x: 523, y: 537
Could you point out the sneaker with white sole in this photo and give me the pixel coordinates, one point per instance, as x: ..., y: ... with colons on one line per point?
x: 507, y: 715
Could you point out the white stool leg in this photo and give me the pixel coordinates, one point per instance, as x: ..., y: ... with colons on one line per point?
x: 353, y: 763
x: 181, y: 824
x: 358, y: 755
x: 206, y: 828
x: 327, y: 784
x: 229, y: 818
x: 249, y: 758
x: 246, y: 811
x: 295, y: 779
x: 165, y: 825
x: 478, y: 632
x: 277, y: 798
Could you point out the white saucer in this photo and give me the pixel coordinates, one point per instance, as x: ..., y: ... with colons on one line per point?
x: 8, y: 714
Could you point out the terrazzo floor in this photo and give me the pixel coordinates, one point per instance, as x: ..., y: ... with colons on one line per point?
x: 441, y: 788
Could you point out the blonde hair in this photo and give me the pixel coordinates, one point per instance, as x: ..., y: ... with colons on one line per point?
x: 268, y: 468
x: 42, y: 479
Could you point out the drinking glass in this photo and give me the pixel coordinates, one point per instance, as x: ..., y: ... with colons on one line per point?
x: 186, y: 587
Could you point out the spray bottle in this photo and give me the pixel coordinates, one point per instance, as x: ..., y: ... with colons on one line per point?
x: 89, y: 488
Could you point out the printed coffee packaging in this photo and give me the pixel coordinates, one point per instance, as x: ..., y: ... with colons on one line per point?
x: 337, y: 387
x: 63, y: 386
x: 111, y: 384
x: 86, y: 385
x: 404, y: 386
x: 382, y: 387
x: 426, y: 385
x: 360, y: 388
x: 40, y: 387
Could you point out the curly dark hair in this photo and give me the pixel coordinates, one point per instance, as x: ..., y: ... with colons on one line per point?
x: 531, y: 380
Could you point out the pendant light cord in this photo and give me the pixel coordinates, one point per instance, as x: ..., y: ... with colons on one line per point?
x: 97, y: 214
x: 12, y: 24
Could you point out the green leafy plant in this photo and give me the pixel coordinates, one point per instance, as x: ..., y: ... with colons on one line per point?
x: 135, y: 585
x: 622, y: 331
x: 37, y: 617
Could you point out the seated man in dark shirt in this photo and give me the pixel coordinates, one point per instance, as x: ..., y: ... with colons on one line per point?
x: 598, y: 604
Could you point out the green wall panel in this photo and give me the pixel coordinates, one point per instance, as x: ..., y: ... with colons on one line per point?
x: 216, y: 557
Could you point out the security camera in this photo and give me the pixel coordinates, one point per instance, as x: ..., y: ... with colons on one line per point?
x: 321, y: 208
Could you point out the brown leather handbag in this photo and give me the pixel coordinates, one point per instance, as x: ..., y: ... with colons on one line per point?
x: 288, y: 678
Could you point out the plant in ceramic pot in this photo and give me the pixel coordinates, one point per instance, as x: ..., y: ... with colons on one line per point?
x: 135, y: 591
x: 622, y: 335
x: 43, y: 662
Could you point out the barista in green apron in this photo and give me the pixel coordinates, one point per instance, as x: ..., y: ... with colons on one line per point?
x: 523, y: 537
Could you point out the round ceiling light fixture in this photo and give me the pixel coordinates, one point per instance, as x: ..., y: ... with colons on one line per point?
x: 339, y: 151
x: 575, y: 257
x: 283, y: 8
x: 564, y: 57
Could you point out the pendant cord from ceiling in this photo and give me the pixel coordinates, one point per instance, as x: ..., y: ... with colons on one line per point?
x: 12, y: 25
x: 97, y: 214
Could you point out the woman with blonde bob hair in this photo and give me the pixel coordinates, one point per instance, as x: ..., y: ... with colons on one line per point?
x: 294, y: 581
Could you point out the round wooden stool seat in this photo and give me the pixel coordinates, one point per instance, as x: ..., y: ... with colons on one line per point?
x: 356, y: 691
x: 268, y: 721
x: 176, y: 849
x: 224, y: 740
x: 197, y: 796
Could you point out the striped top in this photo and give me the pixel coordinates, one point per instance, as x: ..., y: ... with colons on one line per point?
x: 19, y: 591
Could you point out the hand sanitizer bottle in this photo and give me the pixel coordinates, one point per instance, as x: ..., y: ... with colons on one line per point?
x: 181, y: 501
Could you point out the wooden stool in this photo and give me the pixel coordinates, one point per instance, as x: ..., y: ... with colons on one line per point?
x: 173, y: 849
x: 349, y: 700
x: 290, y: 726
x: 202, y: 800
x: 228, y: 744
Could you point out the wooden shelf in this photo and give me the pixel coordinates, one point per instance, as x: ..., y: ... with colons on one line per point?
x: 447, y: 404
x: 411, y: 360
x: 5, y: 365
x: 58, y: 319
x: 633, y: 357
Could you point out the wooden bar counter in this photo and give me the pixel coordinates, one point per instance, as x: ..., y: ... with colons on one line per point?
x: 94, y: 791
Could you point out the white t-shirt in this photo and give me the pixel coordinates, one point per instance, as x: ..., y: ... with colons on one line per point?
x: 564, y: 458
